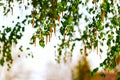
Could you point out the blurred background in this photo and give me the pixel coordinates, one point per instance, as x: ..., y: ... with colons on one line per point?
x: 39, y: 63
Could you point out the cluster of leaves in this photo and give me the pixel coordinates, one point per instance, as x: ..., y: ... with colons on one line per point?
x: 9, y: 36
x: 82, y: 70
x: 65, y: 16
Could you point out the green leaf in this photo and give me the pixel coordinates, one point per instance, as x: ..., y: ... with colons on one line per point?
x: 62, y: 30
x: 108, y: 42
x: 8, y: 29
x: 19, y: 56
x: 94, y: 72
x: 103, y: 75
x: 2, y: 62
x: 73, y: 45
x: 1, y: 4
x: 77, y: 39
x: 21, y: 48
x: 118, y: 78
x: 81, y: 51
x: 101, y: 50
x: 41, y: 43
x: 110, y: 37
x: 118, y: 73
x: 101, y: 64
x: 23, y: 29
x: 95, y: 43
x: 27, y: 48
x: 100, y: 27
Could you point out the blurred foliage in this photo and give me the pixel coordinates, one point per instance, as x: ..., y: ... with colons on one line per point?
x: 82, y: 70
x: 63, y: 17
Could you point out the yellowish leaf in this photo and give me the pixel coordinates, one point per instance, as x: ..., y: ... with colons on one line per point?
x: 97, y: 49
x: 50, y: 31
x: 46, y: 39
x: 32, y: 21
x: 85, y: 51
x: 94, y: 1
x: 49, y: 37
x: 103, y: 14
x: 55, y: 30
